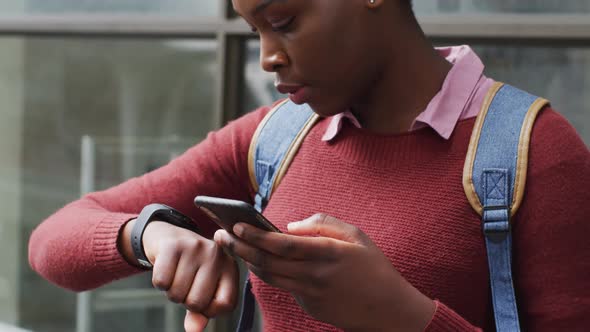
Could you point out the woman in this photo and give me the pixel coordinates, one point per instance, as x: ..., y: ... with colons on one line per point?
x: 378, y: 232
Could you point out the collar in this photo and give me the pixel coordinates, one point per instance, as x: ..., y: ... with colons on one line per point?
x: 452, y: 103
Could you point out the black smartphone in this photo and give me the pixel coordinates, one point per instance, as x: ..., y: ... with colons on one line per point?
x: 228, y: 212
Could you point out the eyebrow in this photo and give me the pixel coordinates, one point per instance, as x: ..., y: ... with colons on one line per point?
x: 263, y: 4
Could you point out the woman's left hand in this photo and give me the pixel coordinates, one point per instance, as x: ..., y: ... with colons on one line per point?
x: 334, y: 271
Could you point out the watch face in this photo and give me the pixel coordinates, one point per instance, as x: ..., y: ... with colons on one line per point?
x: 167, y: 214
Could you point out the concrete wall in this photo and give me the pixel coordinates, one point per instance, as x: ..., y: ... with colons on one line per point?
x: 11, y: 126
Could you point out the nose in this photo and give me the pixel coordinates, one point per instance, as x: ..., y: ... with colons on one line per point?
x: 272, y: 57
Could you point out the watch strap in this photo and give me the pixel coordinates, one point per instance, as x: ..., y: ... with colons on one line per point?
x: 159, y: 212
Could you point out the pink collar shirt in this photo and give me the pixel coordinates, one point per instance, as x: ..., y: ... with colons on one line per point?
x: 459, y: 98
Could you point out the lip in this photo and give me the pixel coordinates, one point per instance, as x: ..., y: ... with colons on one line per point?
x: 285, y: 88
x: 299, y: 94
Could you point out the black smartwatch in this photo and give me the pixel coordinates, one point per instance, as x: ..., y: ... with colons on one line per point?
x: 159, y: 212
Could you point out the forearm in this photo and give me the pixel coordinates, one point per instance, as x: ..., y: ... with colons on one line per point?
x: 447, y: 320
x: 80, y: 254
x: 80, y: 247
x: 418, y: 311
x: 410, y: 310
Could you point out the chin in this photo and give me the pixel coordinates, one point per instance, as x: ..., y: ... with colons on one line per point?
x: 327, y: 109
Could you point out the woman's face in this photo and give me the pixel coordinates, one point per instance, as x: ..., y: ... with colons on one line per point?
x: 324, y: 52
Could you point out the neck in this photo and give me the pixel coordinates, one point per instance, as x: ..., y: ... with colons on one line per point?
x: 413, y: 75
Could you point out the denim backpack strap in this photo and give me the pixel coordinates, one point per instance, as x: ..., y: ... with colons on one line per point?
x: 272, y: 149
x: 494, y: 181
x: 274, y: 145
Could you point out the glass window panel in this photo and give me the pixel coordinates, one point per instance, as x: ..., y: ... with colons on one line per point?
x: 141, y: 102
x: 502, y: 6
x: 560, y: 74
x: 159, y: 7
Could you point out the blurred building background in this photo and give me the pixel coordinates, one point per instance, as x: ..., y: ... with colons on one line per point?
x: 93, y: 92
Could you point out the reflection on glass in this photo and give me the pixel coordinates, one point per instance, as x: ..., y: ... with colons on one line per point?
x: 502, y: 6
x: 159, y: 7
x: 141, y: 102
x: 560, y: 74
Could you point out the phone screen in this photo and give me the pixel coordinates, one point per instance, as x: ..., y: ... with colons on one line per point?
x: 228, y: 212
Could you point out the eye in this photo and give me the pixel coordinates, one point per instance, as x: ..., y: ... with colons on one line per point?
x: 283, y: 25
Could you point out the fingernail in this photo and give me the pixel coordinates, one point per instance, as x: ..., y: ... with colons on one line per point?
x: 218, y: 236
x: 238, y: 229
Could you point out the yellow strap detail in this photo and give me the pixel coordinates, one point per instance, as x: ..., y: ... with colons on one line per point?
x: 295, y: 145
x: 468, y: 185
x: 523, y: 152
x: 253, y: 142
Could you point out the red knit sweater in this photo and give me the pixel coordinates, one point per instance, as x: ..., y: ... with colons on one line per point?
x: 404, y: 191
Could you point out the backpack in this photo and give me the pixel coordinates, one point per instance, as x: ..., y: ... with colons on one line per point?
x: 494, y: 178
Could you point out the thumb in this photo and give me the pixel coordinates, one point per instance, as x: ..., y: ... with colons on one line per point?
x: 324, y: 225
x: 195, y: 322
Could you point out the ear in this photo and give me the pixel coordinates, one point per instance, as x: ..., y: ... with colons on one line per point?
x: 373, y: 4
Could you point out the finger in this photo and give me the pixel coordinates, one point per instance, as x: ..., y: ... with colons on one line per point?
x: 283, y: 282
x: 322, y: 224
x: 195, y: 322
x: 264, y: 261
x: 183, y: 278
x: 165, y: 269
x: 226, y: 295
x: 285, y: 245
x: 204, y: 284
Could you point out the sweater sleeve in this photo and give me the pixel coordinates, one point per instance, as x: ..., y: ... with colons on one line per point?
x: 447, y: 320
x: 551, y: 248
x: 550, y: 236
x: 76, y: 247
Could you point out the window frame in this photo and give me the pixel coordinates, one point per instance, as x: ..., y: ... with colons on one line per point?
x: 231, y: 34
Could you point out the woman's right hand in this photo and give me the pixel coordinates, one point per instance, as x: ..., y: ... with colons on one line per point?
x: 193, y: 271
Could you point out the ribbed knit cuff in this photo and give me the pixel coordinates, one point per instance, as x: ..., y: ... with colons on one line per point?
x: 104, y: 246
x: 445, y: 319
